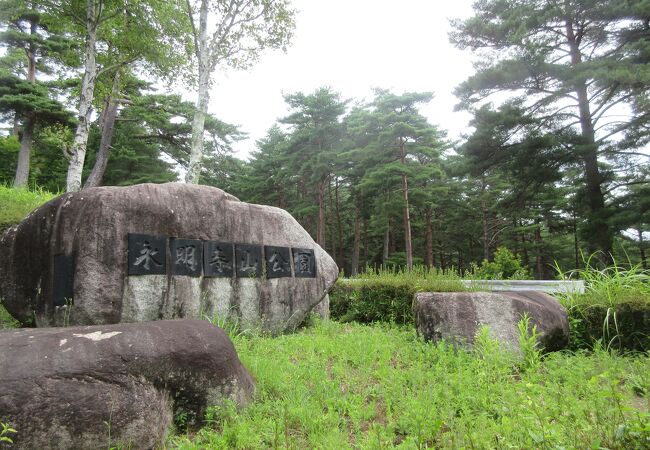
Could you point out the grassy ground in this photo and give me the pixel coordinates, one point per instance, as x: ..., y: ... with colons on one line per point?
x: 379, y: 386
x: 15, y: 204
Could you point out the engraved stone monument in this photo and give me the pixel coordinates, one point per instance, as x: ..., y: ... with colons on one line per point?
x: 150, y: 252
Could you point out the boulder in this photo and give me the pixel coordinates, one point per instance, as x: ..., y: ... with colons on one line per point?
x: 114, y: 385
x: 457, y: 316
x: 162, y: 251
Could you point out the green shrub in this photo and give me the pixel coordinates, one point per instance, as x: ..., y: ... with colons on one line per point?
x: 624, y: 327
x: 386, y: 295
x: 16, y: 204
x: 614, y: 310
x: 506, y: 266
x: 6, y: 320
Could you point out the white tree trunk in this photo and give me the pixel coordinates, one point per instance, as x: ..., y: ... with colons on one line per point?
x: 78, y: 149
x: 22, y: 169
x: 198, y: 124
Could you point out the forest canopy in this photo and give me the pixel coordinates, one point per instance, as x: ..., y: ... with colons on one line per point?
x: 555, y: 168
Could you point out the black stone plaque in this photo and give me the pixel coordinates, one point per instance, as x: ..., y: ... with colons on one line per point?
x: 218, y: 259
x: 304, y: 263
x: 249, y: 260
x: 63, y: 282
x: 186, y: 256
x: 147, y: 254
x: 278, y: 261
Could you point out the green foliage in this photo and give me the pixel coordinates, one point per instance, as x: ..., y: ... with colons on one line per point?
x: 505, y: 266
x: 358, y: 386
x: 6, y: 320
x: 16, y: 204
x: 386, y: 295
x: 612, y: 285
x: 48, y: 166
x: 4, y: 433
x: 397, y: 261
x: 25, y: 98
x: 9, y: 147
x: 228, y: 323
x: 614, y: 310
x: 563, y: 64
x: 529, y: 344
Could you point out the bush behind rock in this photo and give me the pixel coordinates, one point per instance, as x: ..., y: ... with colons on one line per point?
x: 386, y: 295
x: 16, y: 204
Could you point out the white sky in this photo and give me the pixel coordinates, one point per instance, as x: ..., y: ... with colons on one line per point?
x: 352, y: 46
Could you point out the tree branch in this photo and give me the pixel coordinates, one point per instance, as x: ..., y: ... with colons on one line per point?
x: 190, y: 14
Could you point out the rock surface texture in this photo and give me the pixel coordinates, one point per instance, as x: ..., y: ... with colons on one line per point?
x: 150, y: 252
x: 114, y: 385
x: 457, y: 316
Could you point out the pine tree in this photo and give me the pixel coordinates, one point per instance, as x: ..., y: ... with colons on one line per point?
x: 33, y: 44
x: 315, y: 140
x: 561, y: 61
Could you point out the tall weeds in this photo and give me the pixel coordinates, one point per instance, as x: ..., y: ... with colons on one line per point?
x: 614, y: 309
x: 609, y: 286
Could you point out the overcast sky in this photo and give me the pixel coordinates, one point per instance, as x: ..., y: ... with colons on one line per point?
x: 352, y: 46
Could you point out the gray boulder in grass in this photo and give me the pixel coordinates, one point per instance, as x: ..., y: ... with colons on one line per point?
x: 162, y: 251
x: 457, y: 316
x: 114, y: 385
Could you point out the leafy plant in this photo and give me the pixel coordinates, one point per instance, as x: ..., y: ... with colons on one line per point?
x: 506, y: 266
x: 230, y: 324
x: 609, y: 286
x: 529, y: 344
x: 4, y: 433
x: 6, y: 319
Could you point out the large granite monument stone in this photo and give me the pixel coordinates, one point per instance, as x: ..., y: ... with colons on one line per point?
x: 162, y: 251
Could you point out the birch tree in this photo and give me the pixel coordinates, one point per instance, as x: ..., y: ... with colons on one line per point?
x: 230, y: 33
x: 145, y: 31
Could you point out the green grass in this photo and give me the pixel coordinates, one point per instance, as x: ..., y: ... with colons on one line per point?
x: 16, y: 204
x: 610, y: 286
x: 358, y: 386
x: 614, y: 310
x: 421, y: 278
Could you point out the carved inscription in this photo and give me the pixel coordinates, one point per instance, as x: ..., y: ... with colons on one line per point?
x: 63, y: 280
x: 278, y: 261
x: 187, y: 257
x: 147, y: 254
x: 218, y: 259
x: 304, y: 263
x: 248, y: 259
